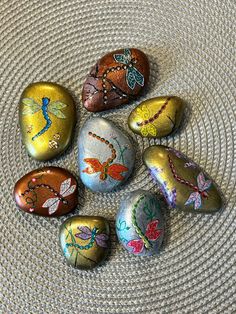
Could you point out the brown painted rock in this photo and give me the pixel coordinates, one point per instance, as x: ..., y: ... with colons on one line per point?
x: 49, y: 191
x: 115, y: 79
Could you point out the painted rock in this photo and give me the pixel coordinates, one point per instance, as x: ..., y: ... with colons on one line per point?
x: 184, y: 185
x: 106, y: 156
x: 139, y: 223
x: 47, y: 118
x: 157, y: 117
x: 117, y: 78
x: 84, y: 240
x: 49, y: 191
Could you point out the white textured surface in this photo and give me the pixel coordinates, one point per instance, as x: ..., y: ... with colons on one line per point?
x: 190, y: 45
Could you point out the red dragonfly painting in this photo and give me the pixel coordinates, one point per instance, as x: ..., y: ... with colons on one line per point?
x: 113, y: 170
x: 152, y: 234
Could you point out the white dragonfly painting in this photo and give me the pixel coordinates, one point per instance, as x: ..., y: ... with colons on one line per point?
x: 52, y: 203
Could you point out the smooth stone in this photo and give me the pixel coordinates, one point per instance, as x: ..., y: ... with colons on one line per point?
x: 183, y: 183
x: 47, y: 119
x: 48, y: 191
x: 139, y: 223
x: 157, y: 117
x: 116, y: 79
x: 106, y: 156
x: 85, y: 241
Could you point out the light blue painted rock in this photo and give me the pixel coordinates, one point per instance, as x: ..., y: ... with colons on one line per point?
x: 139, y: 223
x: 106, y: 156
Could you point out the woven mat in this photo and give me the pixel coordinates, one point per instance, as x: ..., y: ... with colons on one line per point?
x: 190, y: 46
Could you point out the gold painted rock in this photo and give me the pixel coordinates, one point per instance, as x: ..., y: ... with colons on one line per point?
x: 84, y: 240
x: 184, y: 185
x: 157, y: 117
x: 116, y: 78
x: 49, y: 191
x: 47, y: 118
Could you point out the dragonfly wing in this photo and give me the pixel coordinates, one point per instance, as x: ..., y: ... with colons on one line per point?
x: 121, y: 58
x: 70, y: 191
x: 53, y: 207
x: 94, y: 165
x: 115, y: 170
x: 203, y: 184
x: 49, y: 202
x: 144, y: 130
x: 84, y: 229
x: 136, y: 245
x: 65, y: 185
x: 152, y: 130
x: 30, y: 106
x: 130, y: 78
x: 127, y: 53
x: 57, y: 105
x: 152, y: 233
x: 139, y: 78
x: 102, y: 236
x: 83, y: 236
x: 56, y: 112
x: 193, y: 198
x: 143, y: 112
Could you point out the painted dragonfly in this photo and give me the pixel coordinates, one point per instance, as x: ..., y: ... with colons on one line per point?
x: 66, y: 189
x: 196, y: 197
x: 54, y: 107
x: 114, y: 170
x: 87, y: 233
x: 152, y: 233
x: 133, y: 76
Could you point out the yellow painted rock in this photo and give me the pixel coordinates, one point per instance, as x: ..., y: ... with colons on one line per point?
x: 157, y: 117
x: 84, y: 240
x: 47, y: 118
x: 184, y: 185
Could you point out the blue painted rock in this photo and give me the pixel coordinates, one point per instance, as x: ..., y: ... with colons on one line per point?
x: 184, y: 185
x: 117, y: 78
x: 85, y: 240
x: 47, y: 118
x: 157, y: 117
x: 139, y: 223
x: 48, y: 191
x: 106, y: 156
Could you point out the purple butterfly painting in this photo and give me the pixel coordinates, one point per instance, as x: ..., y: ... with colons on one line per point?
x: 200, y: 191
x: 93, y: 235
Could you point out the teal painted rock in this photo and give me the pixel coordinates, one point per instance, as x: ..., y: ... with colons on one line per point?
x: 139, y: 223
x: 184, y: 185
x: 106, y: 156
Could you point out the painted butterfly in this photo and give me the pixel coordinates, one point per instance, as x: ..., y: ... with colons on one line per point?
x: 152, y: 233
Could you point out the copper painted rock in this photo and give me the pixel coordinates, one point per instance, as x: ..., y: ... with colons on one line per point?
x: 116, y: 78
x: 106, y: 156
x: 157, y: 117
x: 184, y: 185
x: 84, y: 240
x: 48, y: 191
x: 47, y: 118
x: 139, y: 223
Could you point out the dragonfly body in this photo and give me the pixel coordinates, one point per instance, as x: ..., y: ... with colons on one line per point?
x: 45, y: 103
x: 47, y: 107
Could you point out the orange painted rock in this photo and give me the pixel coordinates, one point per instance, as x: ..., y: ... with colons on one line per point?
x: 116, y: 78
x: 48, y: 191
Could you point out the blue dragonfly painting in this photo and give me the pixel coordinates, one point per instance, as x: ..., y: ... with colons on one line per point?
x: 133, y: 76
x: 54, y: 107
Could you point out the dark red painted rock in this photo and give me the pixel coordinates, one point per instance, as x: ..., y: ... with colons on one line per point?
x: 117, y: 78
x: 49, y: 191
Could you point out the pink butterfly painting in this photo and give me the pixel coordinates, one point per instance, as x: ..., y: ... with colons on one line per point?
x: 52, y: 203
x: 87, y: 233
x: 196, y: 197
x: 152, y: 233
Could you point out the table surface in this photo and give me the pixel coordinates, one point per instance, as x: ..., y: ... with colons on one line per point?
x: 190, y: 46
